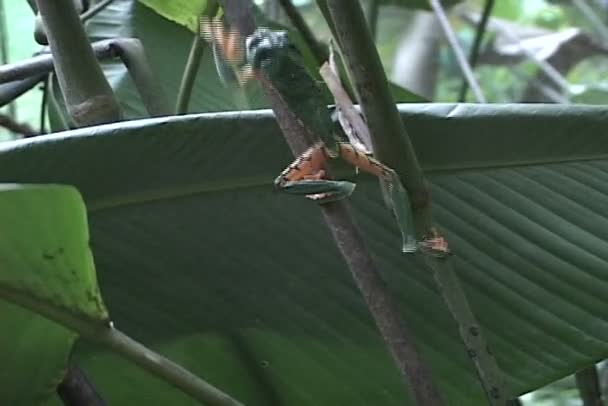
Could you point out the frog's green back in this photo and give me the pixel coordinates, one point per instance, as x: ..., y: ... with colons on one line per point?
x: 302, y: 94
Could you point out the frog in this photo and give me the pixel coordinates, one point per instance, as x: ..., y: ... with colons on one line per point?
x: 269, y: 55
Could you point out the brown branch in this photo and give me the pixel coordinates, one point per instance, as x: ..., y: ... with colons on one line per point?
x: 338, y: 216
x: 18, y: 128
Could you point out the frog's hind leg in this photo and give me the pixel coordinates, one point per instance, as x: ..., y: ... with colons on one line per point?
x: 395, y: 195
x: 306, y: 176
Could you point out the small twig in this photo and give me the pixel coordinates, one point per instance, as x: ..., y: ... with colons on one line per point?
x: 588, y: 385
x: 77, y: 390
x: 474, y: 54
x: 553, y: 74
x: 131, y: 53
x: 43, y: 103
x: 18, y: 128
x: 319, y: 52
x: 597, y: 24
x: 466, y: 69
x: 93, y: 11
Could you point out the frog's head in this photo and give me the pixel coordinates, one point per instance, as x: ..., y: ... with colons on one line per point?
x: 266, y: 47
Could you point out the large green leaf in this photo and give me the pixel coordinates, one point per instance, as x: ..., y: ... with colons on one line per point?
x: 201, y: 259
x: 44, y: 255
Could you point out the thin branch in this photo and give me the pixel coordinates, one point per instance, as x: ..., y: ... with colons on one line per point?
x: 466, y: 69
x: 392, y: 146
x: 192, y: 65
x: 12, y: 90
x: 319, y: 52
x: 588, y: 385
x: 77, y: 390
x: 88, y: 95
x: 553, y: 74
x: 597, y: 24
x: 23, y: 129
x: 131, y: 53
x: 474, y: 54
x: 93, y: 11
x: 43, y: 103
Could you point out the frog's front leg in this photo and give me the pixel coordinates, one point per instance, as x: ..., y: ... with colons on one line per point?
x: 305, y: 176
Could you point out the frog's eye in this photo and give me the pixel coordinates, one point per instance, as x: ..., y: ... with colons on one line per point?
x: 262, y: 44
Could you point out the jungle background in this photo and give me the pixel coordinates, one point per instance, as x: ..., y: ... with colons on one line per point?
x: 533, y: 51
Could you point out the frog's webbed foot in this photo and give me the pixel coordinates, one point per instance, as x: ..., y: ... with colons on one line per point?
x: 435, y: 245
x: 306, y: 176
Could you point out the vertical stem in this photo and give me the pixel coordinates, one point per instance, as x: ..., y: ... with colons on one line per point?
x: 43, y: 103
x: 12, y: 112
x: 588, y: 385
x: 89, y: 97
x: 192, y: 65
x: 189, y: 76
x: 474, y: 54
x: 392, y: 146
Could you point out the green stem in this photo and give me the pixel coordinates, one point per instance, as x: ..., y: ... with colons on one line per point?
x: 88, y: 95
x: 190, y: 71
x: 192, y: 65
x: 102, y: 331
x: 12, y: 111
x: 393, y: 147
